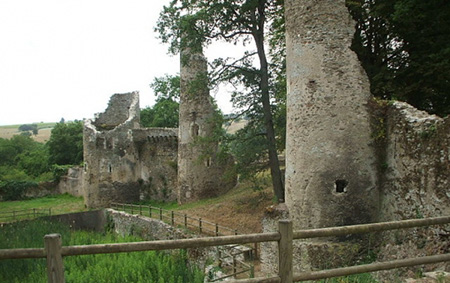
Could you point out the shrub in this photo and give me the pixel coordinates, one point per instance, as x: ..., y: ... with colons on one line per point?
x: 15, y: 190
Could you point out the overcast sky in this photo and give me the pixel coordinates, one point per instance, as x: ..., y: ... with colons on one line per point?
x: 65, y: 58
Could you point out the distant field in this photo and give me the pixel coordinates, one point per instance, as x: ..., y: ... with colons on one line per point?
x: 43, y: 135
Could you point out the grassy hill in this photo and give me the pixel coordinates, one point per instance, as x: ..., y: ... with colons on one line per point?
x: 44, y: 131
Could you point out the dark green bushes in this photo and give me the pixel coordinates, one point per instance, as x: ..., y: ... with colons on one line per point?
x: 15, y: 190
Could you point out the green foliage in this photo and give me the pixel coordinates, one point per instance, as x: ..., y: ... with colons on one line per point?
x: 163, y: 114
x: 259, y: 89
x: 121, y: 267
x: 33, y: 128
x: 357, y: 278
x: 406, y: 57
x: 66, y: 143
x: 15, y: 190
x: 165, y: 111
x: 59, y: 170
x: 22, y: 159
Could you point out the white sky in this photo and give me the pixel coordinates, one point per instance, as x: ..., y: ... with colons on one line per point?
x: 65, y: 58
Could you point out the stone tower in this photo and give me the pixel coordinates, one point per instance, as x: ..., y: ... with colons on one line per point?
x: 331, y: 176
x: 109, y: 153
x: 199, y: 172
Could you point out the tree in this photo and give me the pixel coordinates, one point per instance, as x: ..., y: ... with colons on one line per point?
x: 66, y: 143
x: 235, y: 21
x: 22, y: 158
x: 404, y: 46
x: 29, y: 128
x: 165, y: 111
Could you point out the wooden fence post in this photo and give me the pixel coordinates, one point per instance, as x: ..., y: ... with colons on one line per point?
x: 285, y: 253
x: 173, y: 218
x: 200, y: 224
x: 217, y: 229
x: 150, y: 211
x: 55, y: 266
x: 160, y: 214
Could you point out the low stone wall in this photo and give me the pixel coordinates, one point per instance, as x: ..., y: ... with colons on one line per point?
x: 94, y: 220
x: 152, y: 229
x: 71, y: 183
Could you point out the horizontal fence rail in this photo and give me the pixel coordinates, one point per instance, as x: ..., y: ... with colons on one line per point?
x: 285, y: 235
x: 24, y: 214
x: 176, y: 219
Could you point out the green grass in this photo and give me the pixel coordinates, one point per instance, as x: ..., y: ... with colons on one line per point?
x: 59, y: 204
x: 149, y: 266
x: 357, y: 278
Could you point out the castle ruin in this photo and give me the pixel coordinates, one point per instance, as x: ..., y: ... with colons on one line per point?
x: 351, y: 159
x: 124, y: 162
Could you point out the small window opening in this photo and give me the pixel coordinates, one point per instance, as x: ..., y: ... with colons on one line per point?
x: 194, y: 130
x: 109, y: 168
x: 341, y: 186
x: 85, y: 167
x: 208, y: 161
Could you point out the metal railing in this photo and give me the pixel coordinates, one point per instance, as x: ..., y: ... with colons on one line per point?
x: 176, y: 219
x: 24, y: 214
x: 54, y: 251
x: 198, y: 225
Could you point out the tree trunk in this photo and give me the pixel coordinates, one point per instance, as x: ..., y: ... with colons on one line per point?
x: 274, y: 163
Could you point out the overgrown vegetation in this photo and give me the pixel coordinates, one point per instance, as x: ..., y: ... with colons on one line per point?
x: 121, y: 267
x: 404, y: 46
x: 58, y: 204
x: 25, y: 162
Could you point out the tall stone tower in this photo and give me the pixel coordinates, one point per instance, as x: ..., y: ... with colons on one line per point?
x: 199, y: 172
x: 109, y: 153
x: 331, y: 172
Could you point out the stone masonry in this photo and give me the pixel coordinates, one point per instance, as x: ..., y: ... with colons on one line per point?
x: 126, y: 163
x: 352, y: 159
x: 200, y: 174
x: 330, y: 163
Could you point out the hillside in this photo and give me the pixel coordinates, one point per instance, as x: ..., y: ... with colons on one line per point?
x: 44, y: 131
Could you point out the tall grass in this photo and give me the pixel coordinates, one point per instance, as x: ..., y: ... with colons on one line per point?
x: 121, y: 267
x: 59, y: 204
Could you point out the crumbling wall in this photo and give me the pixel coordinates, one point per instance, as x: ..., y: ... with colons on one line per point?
x: 416, y: 184
x: 110, y: 157
x: 330, y: 163
x: 72, y: 182
x: 126, y: 163
x: 157, y: 150
x: 200, y: 174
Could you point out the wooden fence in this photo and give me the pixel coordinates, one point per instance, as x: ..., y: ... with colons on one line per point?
x: 54, y: 251
x: 24, y: 214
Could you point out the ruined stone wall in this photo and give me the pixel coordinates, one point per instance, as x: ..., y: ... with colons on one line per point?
x: 416, y: 183
x: 109, y: 155
x: 199, y: 172
x: 72, y: 182
x: 330, y: 163
x: 126, y: 163
x: 157, y: 149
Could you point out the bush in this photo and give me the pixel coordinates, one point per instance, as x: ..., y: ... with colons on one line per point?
x: 15, y: 190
